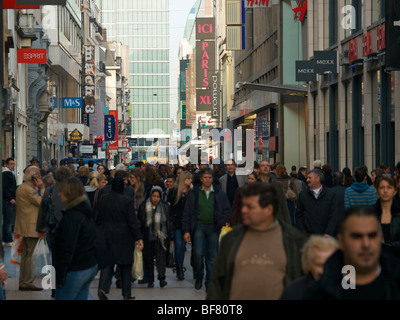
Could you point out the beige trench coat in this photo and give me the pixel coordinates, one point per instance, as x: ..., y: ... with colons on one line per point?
x: 27, y: 209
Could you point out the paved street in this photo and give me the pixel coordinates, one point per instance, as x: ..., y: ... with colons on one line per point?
x: 175, y: 290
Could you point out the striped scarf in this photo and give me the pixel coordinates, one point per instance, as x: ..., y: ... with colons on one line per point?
x: 156, y: 220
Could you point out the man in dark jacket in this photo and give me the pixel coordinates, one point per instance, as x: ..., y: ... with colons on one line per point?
x: 206, y: 211
x: 118, y: 228
x: 339, y: 190
x: 257, y: 259
x: 362, y: 269
x: 9, y: 190
x: 317, y: 211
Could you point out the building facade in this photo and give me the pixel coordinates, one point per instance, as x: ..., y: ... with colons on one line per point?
x: 354, y: 114
x: 144, y: 27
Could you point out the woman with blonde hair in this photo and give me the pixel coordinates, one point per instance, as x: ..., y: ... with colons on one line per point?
x: 177, y: 199
x: 93, y: 190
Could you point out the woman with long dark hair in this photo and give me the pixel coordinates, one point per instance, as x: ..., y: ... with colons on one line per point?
x: 388, y: 212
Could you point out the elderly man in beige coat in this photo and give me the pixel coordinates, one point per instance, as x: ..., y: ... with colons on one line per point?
x: 28, y: 202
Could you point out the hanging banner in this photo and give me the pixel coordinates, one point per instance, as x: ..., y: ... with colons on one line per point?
x: 205, y: 66
x: 109, y: 128
x: 114, y: 144
x: 89, y: 81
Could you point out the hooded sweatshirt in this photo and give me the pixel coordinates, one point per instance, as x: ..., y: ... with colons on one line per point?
x: 359, y: 194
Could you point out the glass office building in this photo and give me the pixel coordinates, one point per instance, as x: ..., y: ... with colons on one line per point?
x: 143, y: 25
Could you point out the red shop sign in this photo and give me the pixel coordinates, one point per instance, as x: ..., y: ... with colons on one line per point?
x: 32, y: 56
x: 12, y: 4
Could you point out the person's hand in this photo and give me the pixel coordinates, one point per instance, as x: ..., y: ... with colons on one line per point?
x: 186, y: 237
x: 139, y: 244
x: 3, y: 275
x: 13, y: 201
x: 39, y: 183
x: 41, y: 235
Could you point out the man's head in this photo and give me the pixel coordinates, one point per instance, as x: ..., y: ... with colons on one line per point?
x: 123, y: 174
x: 265, y: 168
x: 35, y: 162
x: 206, y: 177
x: 315, y: 178
x: 315, y: 252
x: 360, y: 174
x: 338, y: 178
x: 230, y: 166
x: 90, y: 163
x: 53, y: 162
x: 260, y: 204
x: 317, y: 164
x: 63, y: 173
x: 10, y: 164
x: 31, y: 174
x: 360, y: 239
x: 118, y: 184
x: 170, y: 181
x: 162, y: 170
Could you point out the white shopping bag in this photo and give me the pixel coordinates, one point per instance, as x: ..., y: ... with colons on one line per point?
x: 40, y: 258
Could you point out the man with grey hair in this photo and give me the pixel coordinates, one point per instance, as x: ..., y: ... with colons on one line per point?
x: 317, y: 209
x: 28, y: 202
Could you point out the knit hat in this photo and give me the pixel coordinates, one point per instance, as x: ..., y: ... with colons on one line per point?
x: 156, y: 188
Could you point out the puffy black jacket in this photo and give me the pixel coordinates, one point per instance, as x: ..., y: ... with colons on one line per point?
x: 317, y: 216
x: 75, y: 239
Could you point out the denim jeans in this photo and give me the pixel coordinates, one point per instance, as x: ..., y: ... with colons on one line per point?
x: 205, y: 247
x: 76, y: 286
x: 179, y: 247
x: 2, y: 292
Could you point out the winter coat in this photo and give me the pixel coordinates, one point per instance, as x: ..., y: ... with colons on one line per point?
x: 394, y: 224
x: 146, y: 231
x: 44, y: 214
x: 177, y: 209
x: 28, y: 203
x: 129, y: 191
x: 329, y: 286
x: 296, y: 290
x: 359, y: 194
x: 222, y: 210
x: 75, y: 242
x: 339, y: 191
x: 118, y: 228
x: 317, y: 216
x: 9, y: 186
x: 223, y: 269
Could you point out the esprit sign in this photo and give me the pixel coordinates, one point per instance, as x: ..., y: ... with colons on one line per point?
x: 38, y: 56
x: 12, y: 4
x: 89, y: 80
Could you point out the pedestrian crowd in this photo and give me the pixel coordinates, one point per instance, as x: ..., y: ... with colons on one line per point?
x: 267, y: 234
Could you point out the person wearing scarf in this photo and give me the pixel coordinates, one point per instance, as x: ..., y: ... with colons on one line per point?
x: 154, y: 217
